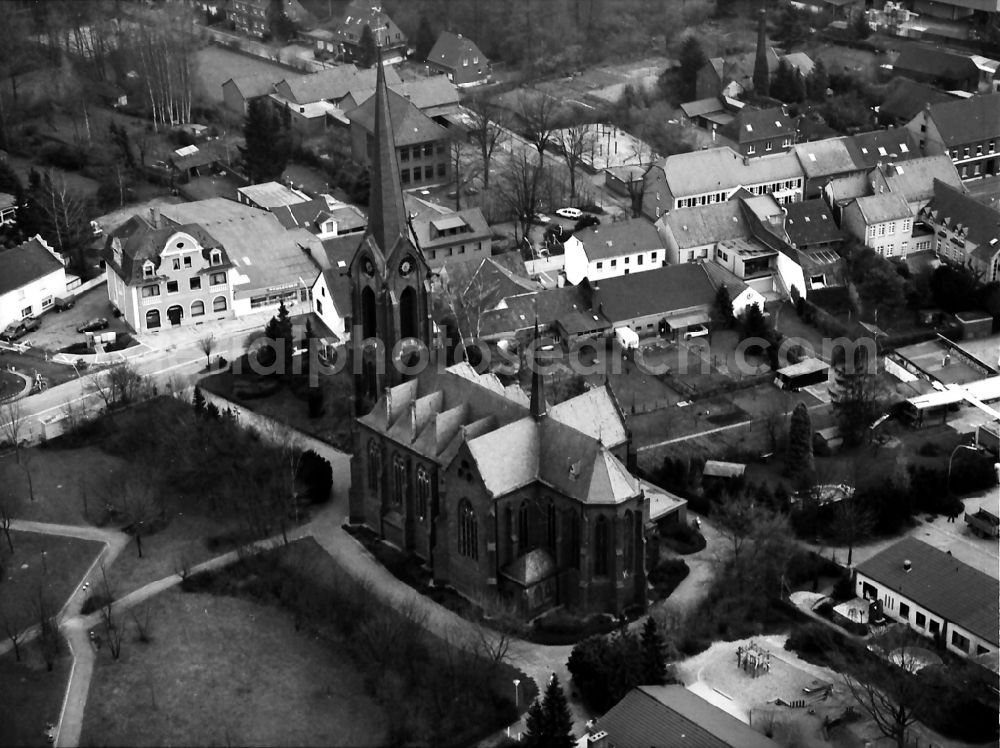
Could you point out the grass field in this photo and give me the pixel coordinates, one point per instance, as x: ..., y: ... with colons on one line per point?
x: 30, y: 695
x: 223, y: 670
x: 26, y: 571
x: 216, y: 65
x: 61, y: 478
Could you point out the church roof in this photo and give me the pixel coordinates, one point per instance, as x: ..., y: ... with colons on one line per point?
x: 436, y: 413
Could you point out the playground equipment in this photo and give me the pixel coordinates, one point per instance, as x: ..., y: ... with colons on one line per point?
x: 753, y: 659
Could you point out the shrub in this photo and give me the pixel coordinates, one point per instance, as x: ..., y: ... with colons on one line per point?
x: 561, y: 627
x: 682, y: 538
x: 665, y: 577
x: 63, y: 156
x: 94, y: 603
x: 317, y: 475
x: 816, y: 642
x: 808, y: 565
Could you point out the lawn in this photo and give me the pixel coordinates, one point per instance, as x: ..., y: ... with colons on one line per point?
x: 63, y: 480
x: 225, y: 670
x: 10, y: 384
x: 27, y: 570
x: 30, y: 695
x: 215, y: 65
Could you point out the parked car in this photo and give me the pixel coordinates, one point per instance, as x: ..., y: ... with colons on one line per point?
x: 16, y: 330
x: 586, y: 220
x: 696, y: 331
x: 540, y: 218
x: 62, y: 303
x: 571, y: 213
x: 93, y: 325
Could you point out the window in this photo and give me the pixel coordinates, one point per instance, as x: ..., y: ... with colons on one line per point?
x: 152, y: 319
x: 374, y: 464
x: 880, y: 230
x: 904, y: 611
x: 197, y: 308
x: 574, y: 540
x: 26, y: 312
x: 965, y: 152
x: 423, y: 492
x: 217, y: 279
x: 149, y: 291
x: 614, y: 263
x: 148, y: 270
x: 892, y: 228
x: 903, y: 247
x: 628, y: 534
x: 404, y: 154
x: 921, y: 620
x: 171, y: 286
x: 216, y: 257
x: 979, y: 149
x: 177, y: 263
x: 428, y: 150
x: 767, y: 146
x: 550, y: 526
x: 468, y: 531
x: 907, y: 225
x: 652, y: 256
x: 404, y: 176
x: 399, y: 481
x: 626, y: 260
x: 319, y: 307
x: 523, y: 527
x: 786, y: 143
x: 441, y: 169
x: 187, y: 261
x: 465, y: 62
x: 751, y: 149
x: 601, y: 547
x: 47, y: 302
x: 195, y: 283
x: 959, y: 641
x: 993, y: 146
x: 219, y: 304
x: 417, y: 174
x: 600, y: 264
x: 935, y: 626
x: 639, y: 260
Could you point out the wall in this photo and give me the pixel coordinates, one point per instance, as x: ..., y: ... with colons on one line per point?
x: 32, y: 297
x: 790, y: 273
x: 323, y: 299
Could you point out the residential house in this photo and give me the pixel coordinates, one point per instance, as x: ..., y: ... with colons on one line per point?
x: 671, y: 716
x: 237, y: 93
x: 710, y: 114
x: 667, y: 300
x: 31, y: 276
x: 331, y: 289
x: 422, y: 144
x: 882, y: 221
x: 610, y: 250
x: 349, y: 32
x: 271, y: 264
x: 8, y: 209
x: 714, y: 175
x: 317, y: 101
x: 938, y: 67
x: 461, y: 236
x: 250, y: 17
x: 906, y: 98
x: 968, y: 130
x: 800, y: 62
x: 268, y: 195
x: 460, y: 59
x: 824, y: 160
x: 741, y: 294
x: 323, y: 216
x: 625, y: 181
x: 869, y: 149
x: 691, y: 234
x: 164, y: 273
x: 955, y: 9
x: 935, y: 594
x: 914, y: 180
x: 759, y: 132
x: 966, y: 231
x: 435, y: 96
x: 810, y: 225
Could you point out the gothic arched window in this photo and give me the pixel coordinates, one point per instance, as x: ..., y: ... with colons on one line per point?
x: 628, y: 532
x: 399, y: 480
x: 374, y: 464
x: 601, y: 532
x: 550, y: 526
x: 468, y: 531
x: 524, y: 527
x: 423, y: 492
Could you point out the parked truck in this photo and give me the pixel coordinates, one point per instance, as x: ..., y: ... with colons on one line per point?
x: 983, y: 523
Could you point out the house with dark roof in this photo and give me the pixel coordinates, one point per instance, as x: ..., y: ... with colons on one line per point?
x: 935, y: 594
x: 968, y: 130
x: 435, y: 96
x: 460, y: 59
x: 671, y: 716
x: 322, y: 216
x: 882, y: 221
x: 869, y: 149
x: 461, y: 236
x: 237, y: 93
x: 966, y: 231
x: 347, y: 35
x: 613, y: 249
x: 732, y: 77
x: 906, y: 98
x: 331, y: 289
x: 759, y: 132
x: 914, y: 180
x: 810, y: 225
x: 422, y: 145
x: 31, y: 276
x: 691, y: 234
x: 937, y: 67
x: 711, y: 113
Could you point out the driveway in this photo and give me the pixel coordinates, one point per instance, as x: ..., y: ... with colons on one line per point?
x: 58, y: 329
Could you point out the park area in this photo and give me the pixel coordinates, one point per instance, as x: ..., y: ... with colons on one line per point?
x: 31, y: 695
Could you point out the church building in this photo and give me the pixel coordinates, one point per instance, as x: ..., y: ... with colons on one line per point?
x: 501, y: 495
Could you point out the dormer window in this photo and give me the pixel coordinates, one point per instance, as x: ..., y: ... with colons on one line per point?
x: 216, y: 257
x: 148, y: 270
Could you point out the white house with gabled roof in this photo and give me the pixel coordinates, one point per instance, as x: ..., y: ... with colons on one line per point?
x: 614, y: 249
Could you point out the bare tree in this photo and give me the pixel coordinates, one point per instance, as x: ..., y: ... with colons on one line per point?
x: 119, y: 385
x: 114, y: 627
x: 573, y: 142
x: 142, y: 623
x: 492, y: 638
x: 48, y: 628
x: 14, y: 634
x: 541, y: 114
x: 487, y: 128
x: 12, y: 425
x: 519, y: 187
x: 5, y: 521
x: 134, y: 501
x: 65, y: 215
x: 163, y: 50
x: 206, y: 345
x: 463, y: 175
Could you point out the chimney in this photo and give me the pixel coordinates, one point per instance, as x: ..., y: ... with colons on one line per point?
x: 154, y: 216
x: 907, y: 565
x: 597, y: 739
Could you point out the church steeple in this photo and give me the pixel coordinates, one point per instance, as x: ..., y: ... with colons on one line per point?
x: 538, y: 404
x: 386, y: 212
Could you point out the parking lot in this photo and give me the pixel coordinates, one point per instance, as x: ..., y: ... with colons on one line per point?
x: 58, y: 329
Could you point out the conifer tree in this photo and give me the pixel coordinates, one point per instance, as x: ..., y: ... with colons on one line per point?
x: 423, y: 42
x: 268, y: 143
x: 367, y: 48
x: 654, y: 654
x: 558, y: 720
x: 801, y: 463
x: 535, y: 734
x: 692, y: 57
x: 199, y: 401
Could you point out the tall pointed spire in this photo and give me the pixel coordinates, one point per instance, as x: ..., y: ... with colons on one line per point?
x: 538, y: 404
x: 386, y: 212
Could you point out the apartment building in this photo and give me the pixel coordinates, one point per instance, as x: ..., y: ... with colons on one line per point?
x: 967, y: 130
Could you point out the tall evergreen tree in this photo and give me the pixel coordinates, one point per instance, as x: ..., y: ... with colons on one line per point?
x: 654, y: 654
x: 558, y: 720
x: 692, y: 57
x: 268, y: 143
x: 367, y: 48
x: 856, y: 401
x: 423, y: 42
x: 801, y: 464
x: 535, y: 733
x: 761, y: 74
x: 722, y: 309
